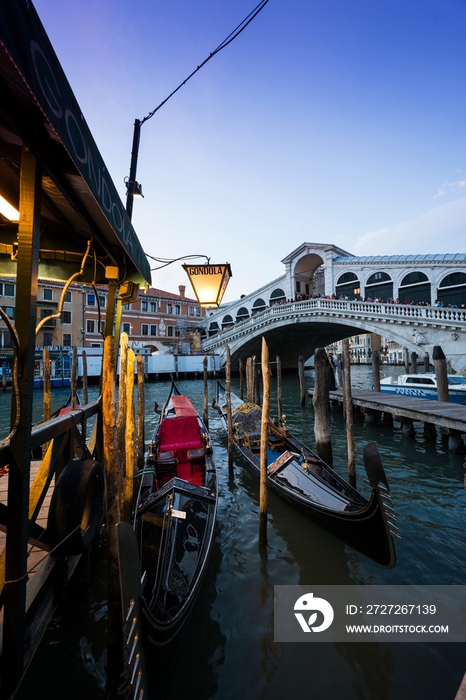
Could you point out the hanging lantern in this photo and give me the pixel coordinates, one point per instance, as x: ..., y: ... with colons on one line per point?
x: 209, y: 283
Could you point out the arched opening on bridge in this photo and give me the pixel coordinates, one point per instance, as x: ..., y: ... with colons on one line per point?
x: 348, y: 285
x: 304, y: 275
x: 277, y: 297
x: 242, y: 314
x: 380, y: 286
x: 227, y: 321
x: 258, y: 306
x: 452, y: 289
x: 414, y: 288
x: 213, y: 328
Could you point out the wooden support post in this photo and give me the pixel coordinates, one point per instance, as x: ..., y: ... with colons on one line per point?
x: 85, y: 383
x: 206, y: 391
x: 455, y: 442
x: 376, y: 370
x: 141, y: 412
x: 74, y: 377
x: 407, y: 427
x: 370, y: 416
x: 14, y: 576
x: 430, y: 431
x: 130, y: 439
x: 122, y: 413
x: 255, y: 377
x: 264, y: 444
x: 406, y: 359
x: 302, y: 384
x: 321, y: 407
x: 340, y: 369
x: 46, y: 365
x: 440, y: 365
x: 414, y: 362
x: 110, y: 461
x: 249, y: 380
x: 229, y: 419
x: 241, y: 378
x: 387, y: 419
x: 349, y: 414
x: 426, y: 362
x: 279, y: 388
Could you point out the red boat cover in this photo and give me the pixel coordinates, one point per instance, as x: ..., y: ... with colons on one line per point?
x: 183, y: 406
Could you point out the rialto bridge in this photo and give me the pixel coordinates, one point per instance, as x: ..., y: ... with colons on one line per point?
x: 318, y: 302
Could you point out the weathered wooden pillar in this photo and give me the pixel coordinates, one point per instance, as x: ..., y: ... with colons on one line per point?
x: 255, y: 371
x: 228, y: 397
x: 349, y: 414
x: 249, y: 380
x: 85, y: 383
x: 206, y: 391
x: 376, y: 370
x: 241, y: 378
x: 14, y: 575
x: 74, y: 377
x: 302, y: 384
x: 46, y: 365
x: 340, y: 369
x: 407, y: 427
x: 406, y: 359
x: 141, y: 411
x: 414, y: 362
x: 264, y: 444
x: 426, y: 362
x: 370, y: 416
x: 440, y: 365
x: 279, y: 388
x: 321, y: 407
x: 110, y: 461
x: 130, y: 439
x: 122, y: 412
x: 430, y: 431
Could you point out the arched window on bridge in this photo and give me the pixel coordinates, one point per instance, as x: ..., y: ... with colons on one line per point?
x: 348, y: 285
x: 213, y: 328
x: 380, y: 286
x: 414, y: 288
x: 241, y: 314
x: 277, y: 297
x: 258, y: 306
x: 452, y: 289
x: 227, y: 321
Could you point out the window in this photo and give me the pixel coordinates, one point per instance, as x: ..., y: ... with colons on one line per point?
x: 102, y: 327
x: 90, y: 326
x: 6, y: 339
x: 102, y: 301
x: 153, y: 329
x: 144, y: 304
x: 153, y: 307
x: 48, y: 294
x: 198, y: 310
x: 127, y: 307
x: 144, y: 329
x: 10, y: 311
x: 7, y: 289
x: 191, y: 311
x: 177, y: 309
x: 96, y: 345
x: 90, y: 301
x: 170, y: 331
x: 66, y: 318
x: 126, y: 328
x: 169, y: 308
x: 48, y: 339
x: 68, y: 296
x: 67, y: 339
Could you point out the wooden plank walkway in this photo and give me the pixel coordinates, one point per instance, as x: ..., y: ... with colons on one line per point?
x: 445, y: 415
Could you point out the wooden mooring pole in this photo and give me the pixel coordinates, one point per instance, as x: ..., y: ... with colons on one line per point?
x: 130, y: 439
x: 46, y: 365
x: 228, y: 397
x: 85, y: 383
x: 264, y: 444
x: 110, y: 460
x: 376, y: 370
x: 349, y: 413
x: 321, y: 407
x: 141, y: 412
x: 241, y: 378
x: 74, y: 377
x: 302, y: 385
x: 279, y: 388
x: 249, y: 380
x: 440, y: 365
x: 121, y: 417
x: 205, y: 375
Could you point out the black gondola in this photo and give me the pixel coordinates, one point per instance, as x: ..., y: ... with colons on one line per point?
x: 174, y: 523
x: 299, y: 476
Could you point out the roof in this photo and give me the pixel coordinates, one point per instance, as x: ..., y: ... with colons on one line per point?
x: 79, y: 201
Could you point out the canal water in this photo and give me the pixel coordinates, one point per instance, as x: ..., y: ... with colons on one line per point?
x: 229, y: 651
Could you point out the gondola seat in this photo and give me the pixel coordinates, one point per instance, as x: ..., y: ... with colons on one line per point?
x: 275, y: 441
x: 165, y: 470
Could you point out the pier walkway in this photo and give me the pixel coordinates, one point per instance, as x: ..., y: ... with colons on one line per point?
x: 441, y: 413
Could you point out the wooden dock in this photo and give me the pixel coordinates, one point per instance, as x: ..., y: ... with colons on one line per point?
x: 441, y: 413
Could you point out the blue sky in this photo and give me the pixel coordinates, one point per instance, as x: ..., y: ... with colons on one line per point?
x: 333, y: 122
